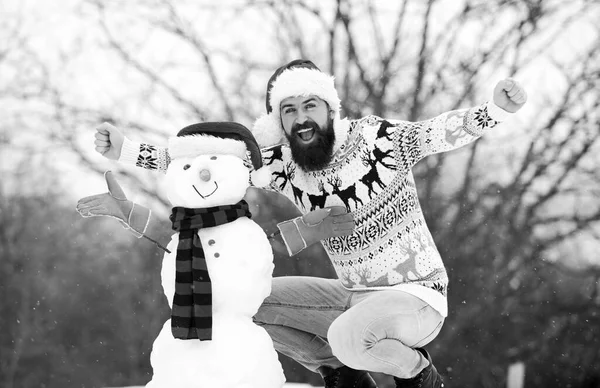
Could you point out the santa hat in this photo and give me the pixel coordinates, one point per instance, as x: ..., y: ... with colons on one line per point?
x: 298, y: 78
x: 221, y: 138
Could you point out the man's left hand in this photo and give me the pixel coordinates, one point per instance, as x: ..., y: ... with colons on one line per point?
x: 509, y: 95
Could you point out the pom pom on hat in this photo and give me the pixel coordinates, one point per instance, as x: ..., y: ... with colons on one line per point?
x: 268, y: 131
x: 261, y: 177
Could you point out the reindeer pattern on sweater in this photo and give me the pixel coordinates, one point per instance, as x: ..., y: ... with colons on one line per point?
x: 371, y: 176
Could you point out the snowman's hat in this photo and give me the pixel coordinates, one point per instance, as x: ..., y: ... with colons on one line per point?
x: 221, y: 138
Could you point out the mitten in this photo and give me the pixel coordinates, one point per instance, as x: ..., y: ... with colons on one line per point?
x: 302, y: 232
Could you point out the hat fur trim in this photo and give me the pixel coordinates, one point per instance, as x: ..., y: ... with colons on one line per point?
x: 261, y: 177
x: 301, y: 81
x: 191, y: 146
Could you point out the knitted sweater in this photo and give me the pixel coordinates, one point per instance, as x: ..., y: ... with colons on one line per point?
x: 391, y: 246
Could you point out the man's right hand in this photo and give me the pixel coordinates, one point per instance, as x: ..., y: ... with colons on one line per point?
x: 301, y: 232
x: 109, y: 141
x: 321, y: 224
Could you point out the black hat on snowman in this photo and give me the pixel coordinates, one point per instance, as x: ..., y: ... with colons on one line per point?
x: 299, y: 77
x: 221, y: 138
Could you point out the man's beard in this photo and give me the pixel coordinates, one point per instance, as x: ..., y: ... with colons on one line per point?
x: 317, y: 154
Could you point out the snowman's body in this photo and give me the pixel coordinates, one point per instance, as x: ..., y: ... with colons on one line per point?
x: 240, y: 263
x: 240, y: 272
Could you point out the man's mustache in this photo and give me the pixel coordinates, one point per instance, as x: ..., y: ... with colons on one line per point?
x: 307, y: 124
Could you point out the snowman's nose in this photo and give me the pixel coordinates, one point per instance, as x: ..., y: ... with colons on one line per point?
x: 205, y: 175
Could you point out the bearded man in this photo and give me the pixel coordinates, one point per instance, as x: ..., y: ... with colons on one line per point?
x: 352, y: 179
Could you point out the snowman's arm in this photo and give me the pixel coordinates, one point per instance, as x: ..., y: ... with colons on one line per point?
x: 142, y: 222
x: 152, y: 233
x: 144, y: 155
x: 134, y: 217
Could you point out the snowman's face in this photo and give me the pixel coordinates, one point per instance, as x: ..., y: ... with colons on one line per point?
x: 207, y: 180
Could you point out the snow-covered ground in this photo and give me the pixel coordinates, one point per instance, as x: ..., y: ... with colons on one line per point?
x: 287, y: 385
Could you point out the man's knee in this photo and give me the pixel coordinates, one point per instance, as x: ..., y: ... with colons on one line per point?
x: 346, y: 342
x: 265, y: 315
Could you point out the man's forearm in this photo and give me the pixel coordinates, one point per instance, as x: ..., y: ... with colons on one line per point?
x: 455, y: 129
x: 145, y: 155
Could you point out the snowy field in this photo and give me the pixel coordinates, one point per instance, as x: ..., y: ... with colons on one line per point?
x: 287, y: 385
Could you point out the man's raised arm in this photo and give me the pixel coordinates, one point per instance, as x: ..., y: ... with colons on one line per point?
x: 112, y: 144
x: 454, y: 129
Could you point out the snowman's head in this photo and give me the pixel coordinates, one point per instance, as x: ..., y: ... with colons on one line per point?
x: 212, y: 165
x: 207, y: 180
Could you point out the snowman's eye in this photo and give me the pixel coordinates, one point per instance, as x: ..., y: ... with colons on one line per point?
x: 213, y: 158
x: 186, y: 166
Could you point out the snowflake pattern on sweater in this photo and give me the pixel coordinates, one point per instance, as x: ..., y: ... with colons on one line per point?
x: 371, y: 176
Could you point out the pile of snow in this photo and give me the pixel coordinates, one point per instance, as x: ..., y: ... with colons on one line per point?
x: 286, y: 385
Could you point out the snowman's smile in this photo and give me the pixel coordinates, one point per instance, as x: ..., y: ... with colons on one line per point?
x: 207, y: 195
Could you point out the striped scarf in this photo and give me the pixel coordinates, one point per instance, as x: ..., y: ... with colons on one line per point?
x: 191, y: 315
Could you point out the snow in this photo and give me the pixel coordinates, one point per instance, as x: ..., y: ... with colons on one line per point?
x: 286, y: 385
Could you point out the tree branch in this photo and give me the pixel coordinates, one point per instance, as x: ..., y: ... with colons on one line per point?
x: 415, y: 108
x: 151, y: 75
x: 183, y: 29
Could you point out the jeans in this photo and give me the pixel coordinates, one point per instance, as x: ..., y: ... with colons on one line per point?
x: 318, y: 322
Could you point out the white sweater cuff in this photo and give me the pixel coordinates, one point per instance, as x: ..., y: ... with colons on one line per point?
x: 497, y: 113
x: 129, y: 152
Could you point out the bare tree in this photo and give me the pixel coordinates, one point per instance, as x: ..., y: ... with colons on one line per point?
x: 511, y: 224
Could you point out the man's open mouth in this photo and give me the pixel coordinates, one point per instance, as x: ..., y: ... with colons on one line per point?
x: 207, y: 195
x: 306, y: 134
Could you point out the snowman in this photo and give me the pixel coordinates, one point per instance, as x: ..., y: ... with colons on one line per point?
x: 219, y: 268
